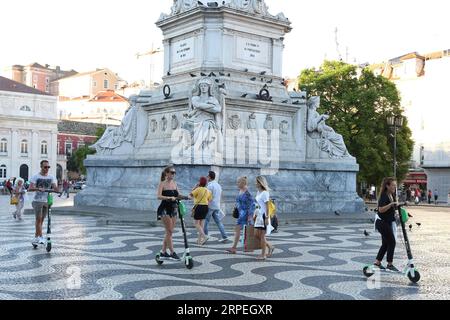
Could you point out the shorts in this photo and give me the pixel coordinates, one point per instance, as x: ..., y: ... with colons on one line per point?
x: 40, y: 209
x: 201, y: 211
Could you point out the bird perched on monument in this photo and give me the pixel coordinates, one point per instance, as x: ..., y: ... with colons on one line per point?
x: 244, y: 95
x: 296, y: 102
x: 253, y: 79
x: 285, y: 101
x: 366, y: 233
x: 212, y: 74
x: 337, y: 213
x: 193, y: 75
x: 222, y: 86
x: 203, y: 74
x: 263, y: 73
x: 222, y: 74
x: 246, y: 70
x: 270, y: 81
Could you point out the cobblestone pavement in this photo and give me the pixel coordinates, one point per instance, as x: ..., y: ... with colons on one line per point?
x: 311, y: 261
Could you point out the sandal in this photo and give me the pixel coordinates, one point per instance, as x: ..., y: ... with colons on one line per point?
x: 271, y: 250
x: 232, y: 251
x: 261, y: 258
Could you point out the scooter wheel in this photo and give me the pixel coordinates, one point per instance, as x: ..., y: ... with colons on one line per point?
x: 49, y: 247
x: 158, y: 261
x: 415, y: 278
x: 190, y: 263
x: 367, y: 272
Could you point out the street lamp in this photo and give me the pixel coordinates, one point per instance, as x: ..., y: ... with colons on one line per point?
x: 395, y: 122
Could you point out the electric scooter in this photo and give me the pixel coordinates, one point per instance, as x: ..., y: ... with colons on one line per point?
x: 48, y: 245
x: 187, y: 258
x: 410, y: 271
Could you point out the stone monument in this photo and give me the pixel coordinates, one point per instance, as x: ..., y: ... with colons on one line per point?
x: 223, y: 106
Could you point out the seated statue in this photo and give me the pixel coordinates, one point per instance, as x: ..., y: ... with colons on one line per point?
x: 114, y: 137
x: 329, y: 141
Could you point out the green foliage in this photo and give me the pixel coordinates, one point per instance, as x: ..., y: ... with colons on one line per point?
x: 359, y: 103
x: 76, y: 161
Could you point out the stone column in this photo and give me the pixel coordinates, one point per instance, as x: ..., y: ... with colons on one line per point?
x: 53, y: 153
x: 34, y: 147
x: 277, y: 59
x: 167, y: 62
x: 14, y: 147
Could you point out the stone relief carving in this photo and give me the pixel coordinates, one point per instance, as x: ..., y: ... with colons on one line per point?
x: 284, y: 127
x: 164, y: 124
x: 205, y: 117
x: 175, y: 123
x: 153, y: 125
x: 234, y: 122
x: 256, y: 7
x: 327, y: 139
x: 252, y: 124
x: 127, y: 132
x: 268, y: 124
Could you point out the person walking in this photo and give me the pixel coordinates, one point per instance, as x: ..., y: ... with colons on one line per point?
x: 9, y: 187
x: 436, y: 196
x: 40, y: 183
x: 261, y: 217
x: 245, y: 207
x: 19, y: 193
x: 167, y: 211
x: 202, y: 196
x: 385, y: 223
x: 214, y: 210
x: 430, y: 195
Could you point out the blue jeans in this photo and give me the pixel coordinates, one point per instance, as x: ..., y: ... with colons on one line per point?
x: 215, y: 215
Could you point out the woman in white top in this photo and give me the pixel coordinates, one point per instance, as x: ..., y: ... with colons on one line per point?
x: 261, y: 217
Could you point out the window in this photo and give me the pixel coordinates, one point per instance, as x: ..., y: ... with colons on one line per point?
x: 3, y: 171
x: 24, y: 147
x: 81, y: 145
x: 25, y: 108
x: 44, y: 148
x: 105, y: 84
x: 94, y: 83
x: 3, y: 146
x: 68, y: 148
x: 47, y: 80
x: 57, y: 148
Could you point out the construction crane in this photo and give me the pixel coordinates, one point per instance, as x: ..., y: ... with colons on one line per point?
x: 150, y: 53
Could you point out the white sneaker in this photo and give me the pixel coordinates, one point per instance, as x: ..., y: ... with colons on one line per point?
x: 42, y: 240
x: 35, y: 241
x: 224, y: 240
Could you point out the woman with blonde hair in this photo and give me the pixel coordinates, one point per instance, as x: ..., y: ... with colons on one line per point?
x: 261, y: 217
x: 19, y: 192
x: 168, y: 193
x: 245, y: 206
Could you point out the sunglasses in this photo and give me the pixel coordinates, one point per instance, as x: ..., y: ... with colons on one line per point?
x: 173, y: 172
x: 47, y: 167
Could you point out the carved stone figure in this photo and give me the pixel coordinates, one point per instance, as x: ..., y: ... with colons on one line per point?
x: 114, y: 137
x: 164, y: 124
x: 175, y: 123
x: 284, y: 127
x: 268, y: 124
x: 154, y: 125
x: 204, y: 119
x: 252, y: 124
x: 328, y: 140
x: 180, y: 6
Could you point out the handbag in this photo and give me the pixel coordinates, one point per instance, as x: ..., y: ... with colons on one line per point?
x: 235, y: 213
x: 250, y: 241
x: 196, y: 205
x: 272, y: 209
x: 14, y: 200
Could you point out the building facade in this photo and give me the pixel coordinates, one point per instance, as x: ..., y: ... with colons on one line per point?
x: 72, y: 136
x: 422, y: 81
x: 28, y: 130
x: 37, y: 76
x: 87, y: 85
x: 106, y: 107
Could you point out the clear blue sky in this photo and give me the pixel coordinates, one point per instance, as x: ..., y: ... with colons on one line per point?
x: 86, y: 34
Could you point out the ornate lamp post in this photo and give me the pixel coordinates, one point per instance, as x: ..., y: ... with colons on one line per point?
x: 395, y: 122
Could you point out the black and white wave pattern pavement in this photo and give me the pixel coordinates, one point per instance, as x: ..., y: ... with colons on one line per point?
x: 89, y: 261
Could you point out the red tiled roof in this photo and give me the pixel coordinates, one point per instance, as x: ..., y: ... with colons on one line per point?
x: 13, y: 86
x: 108, y: 96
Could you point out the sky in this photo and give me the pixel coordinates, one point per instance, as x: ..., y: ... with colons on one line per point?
x: 89, y: 34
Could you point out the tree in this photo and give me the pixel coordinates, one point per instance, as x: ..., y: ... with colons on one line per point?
x: 359, y: 103
x: 76, y: 162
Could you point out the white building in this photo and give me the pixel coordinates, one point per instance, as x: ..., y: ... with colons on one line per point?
x: 28, y: 130
x: 423, y: 82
